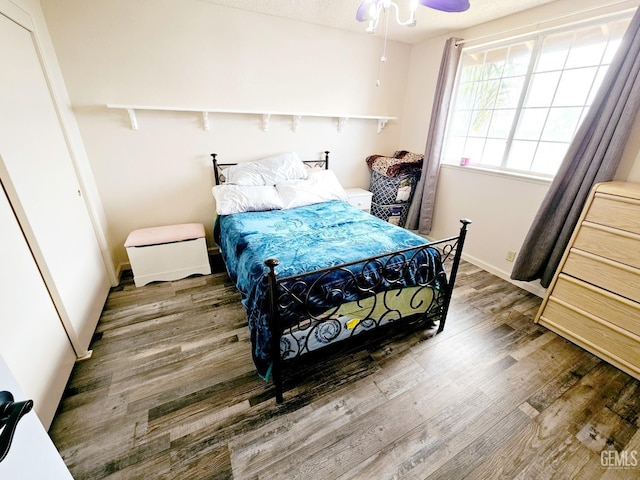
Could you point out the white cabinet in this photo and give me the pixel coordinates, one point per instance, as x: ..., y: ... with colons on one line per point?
x: 360, y: 198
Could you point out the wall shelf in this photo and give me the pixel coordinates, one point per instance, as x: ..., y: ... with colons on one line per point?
x: 296, y: 117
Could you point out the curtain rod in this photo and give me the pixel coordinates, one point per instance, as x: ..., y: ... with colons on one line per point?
x: 553, y: 19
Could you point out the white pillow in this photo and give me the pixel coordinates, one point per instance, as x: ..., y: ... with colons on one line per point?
x: 267, y: 171
x: 242, y: 198
x: 244, y: 174
x: 320, y: 186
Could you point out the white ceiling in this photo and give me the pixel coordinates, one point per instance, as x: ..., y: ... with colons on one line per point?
x: 342, y: 14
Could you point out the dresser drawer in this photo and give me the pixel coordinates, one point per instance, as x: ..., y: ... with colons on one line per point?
x: 612, y: 276
x: 603, y: 304
x: 623, y: 247
x: 616, y: 212
x: 359, y: 198
x: 617, y: 347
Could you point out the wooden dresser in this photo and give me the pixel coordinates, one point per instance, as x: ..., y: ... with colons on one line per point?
x: 594, y: 298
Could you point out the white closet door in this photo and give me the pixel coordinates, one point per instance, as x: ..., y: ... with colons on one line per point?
x: 42, y: 185
x: 32, y: 339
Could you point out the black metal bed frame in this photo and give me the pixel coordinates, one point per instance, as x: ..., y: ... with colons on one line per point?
x: 218, y: 168
x: 392, y: 267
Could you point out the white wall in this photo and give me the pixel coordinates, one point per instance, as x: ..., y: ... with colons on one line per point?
x: 501, y: 207
x: 193, y: 54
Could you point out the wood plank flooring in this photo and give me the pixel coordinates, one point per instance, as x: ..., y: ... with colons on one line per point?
x: 171, y: 393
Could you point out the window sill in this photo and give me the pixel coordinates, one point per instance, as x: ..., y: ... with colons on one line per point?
x: 499, y: 173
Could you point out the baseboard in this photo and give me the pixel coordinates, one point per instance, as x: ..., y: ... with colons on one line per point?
x: 532, y: 287
x: 122, y: 267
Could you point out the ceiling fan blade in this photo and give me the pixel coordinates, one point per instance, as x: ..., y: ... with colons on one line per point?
x: 364, y: 10
x: 447, y: 5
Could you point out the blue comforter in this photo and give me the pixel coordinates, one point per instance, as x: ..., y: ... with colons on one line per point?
x: 304, y: 239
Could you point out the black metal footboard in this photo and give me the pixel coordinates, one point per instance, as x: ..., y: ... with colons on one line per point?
x: 336, y: 304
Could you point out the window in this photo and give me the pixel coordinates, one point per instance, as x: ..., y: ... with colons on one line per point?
x: 517, y: 106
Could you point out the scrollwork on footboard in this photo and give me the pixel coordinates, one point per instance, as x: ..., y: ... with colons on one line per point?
x: 331, y: 305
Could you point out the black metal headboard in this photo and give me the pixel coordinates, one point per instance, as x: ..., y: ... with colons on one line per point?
x: 218, y: 168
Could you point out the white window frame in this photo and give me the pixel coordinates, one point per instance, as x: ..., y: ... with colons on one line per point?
x: 538, y: 39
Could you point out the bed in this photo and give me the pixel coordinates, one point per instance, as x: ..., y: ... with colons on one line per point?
x: 314, y: 271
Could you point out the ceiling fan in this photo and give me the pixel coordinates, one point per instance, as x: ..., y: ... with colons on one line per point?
x: 371, y: 10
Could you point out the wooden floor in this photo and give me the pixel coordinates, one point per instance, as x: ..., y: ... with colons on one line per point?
x: 171, y: 393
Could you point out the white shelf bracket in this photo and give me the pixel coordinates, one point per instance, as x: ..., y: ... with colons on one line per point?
x: 382, y: 122
x: 265, y: 121
x: 296, y: 122
x: 205, y: 121
x: 342, y: 121
x: 132, y: 118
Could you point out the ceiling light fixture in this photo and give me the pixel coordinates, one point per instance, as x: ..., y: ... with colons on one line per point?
x: 371, y: 11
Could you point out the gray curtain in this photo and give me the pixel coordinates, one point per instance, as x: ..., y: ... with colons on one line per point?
x: 421, y: 209
x: 592, y: 157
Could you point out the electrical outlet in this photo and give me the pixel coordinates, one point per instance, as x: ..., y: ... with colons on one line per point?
x: 511, y: 256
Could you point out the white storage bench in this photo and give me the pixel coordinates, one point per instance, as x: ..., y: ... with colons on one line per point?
x: 167, y: 253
